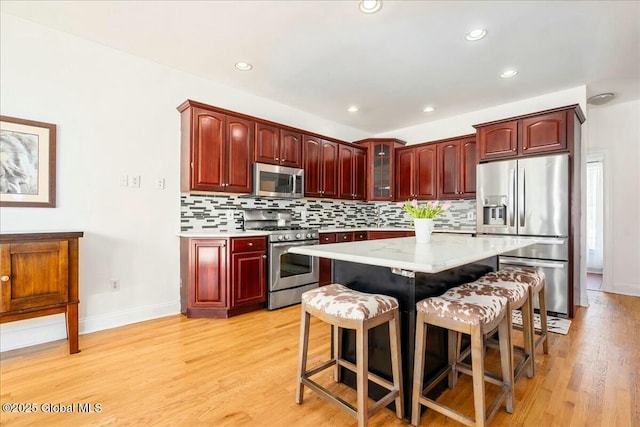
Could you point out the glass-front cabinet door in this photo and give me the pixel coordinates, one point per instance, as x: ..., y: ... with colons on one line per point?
x: 380, y: 167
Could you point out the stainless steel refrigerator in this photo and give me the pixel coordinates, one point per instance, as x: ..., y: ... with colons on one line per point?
x: 529, y: 198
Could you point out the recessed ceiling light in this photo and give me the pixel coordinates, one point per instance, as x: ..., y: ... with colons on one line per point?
x: 428, y: 109
x: 243, y: 66
x: 509, y: 73
x: 476, y: 34
x: 601, y: 98
x: 353, y: 109
x: 370, y: 6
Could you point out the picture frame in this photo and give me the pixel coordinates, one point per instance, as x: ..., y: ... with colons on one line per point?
x: 27, y: 163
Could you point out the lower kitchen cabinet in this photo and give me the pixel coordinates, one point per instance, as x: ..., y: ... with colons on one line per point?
x: 324, y: 277
x: 376, y: 235
x: 218, y: 281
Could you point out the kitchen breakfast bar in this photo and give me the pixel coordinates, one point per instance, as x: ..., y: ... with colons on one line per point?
x: 408, y: 271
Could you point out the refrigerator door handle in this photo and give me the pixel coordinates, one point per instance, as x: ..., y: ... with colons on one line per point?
x: 511, y: 200
x: 521, y: 196
x: 530, y: 263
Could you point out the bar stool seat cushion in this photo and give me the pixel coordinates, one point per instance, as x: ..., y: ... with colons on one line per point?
x: 344, y: 303
x: 464, y: 305
x: 529, y: 276
x: 514, y: 291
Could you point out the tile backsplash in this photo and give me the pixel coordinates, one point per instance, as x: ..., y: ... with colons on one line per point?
x: 199, y: 212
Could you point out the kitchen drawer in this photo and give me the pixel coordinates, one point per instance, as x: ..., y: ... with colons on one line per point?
x: 246, y: 244
x: 359, y: 235
x: 328, y: 238
x: 345, y: 237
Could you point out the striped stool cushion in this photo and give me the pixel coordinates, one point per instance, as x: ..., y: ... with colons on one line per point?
x: 515, y: 292
x: 341, y: 302
x: 464, y: 305
x: 532, y: 277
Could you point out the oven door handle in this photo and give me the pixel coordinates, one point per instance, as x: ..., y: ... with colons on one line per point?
x: 306, y: 242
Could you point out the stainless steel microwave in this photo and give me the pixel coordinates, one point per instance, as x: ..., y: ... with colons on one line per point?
x: 278, y: 181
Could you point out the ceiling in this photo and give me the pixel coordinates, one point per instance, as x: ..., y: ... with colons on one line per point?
x: 323, y: 56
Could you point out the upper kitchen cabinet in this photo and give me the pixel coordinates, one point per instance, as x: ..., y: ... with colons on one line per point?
x: 278, y: 146
x: 538, y: 133
x: 416, y: 172
x: 217, y: 150
x: 352, y: 163
x: 320, y: 167
x: 457, y: 168
x: 380, y: 167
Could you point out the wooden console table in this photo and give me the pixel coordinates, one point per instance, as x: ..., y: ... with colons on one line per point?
x: 39, y: 277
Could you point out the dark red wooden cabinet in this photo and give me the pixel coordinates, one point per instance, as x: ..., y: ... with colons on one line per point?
x: 217, y: 150
x: 416, y: 173
x: 325, y: 263
x: 380, y: 167
x: 278, y: 146
x: 218, y: 281
x: 457, y: 168
x: 320, y: 166
x: 351, y: 172
x: 533, y: 134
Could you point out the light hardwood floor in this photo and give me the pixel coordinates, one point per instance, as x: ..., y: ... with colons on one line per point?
x: 241, y: 372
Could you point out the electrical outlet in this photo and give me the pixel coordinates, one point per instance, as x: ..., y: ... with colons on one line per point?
x: 160, y: 183
x: 134, y: 181
x: 114, y: 284
x: 230, y: 215
x: 124, y: 180
x: 470, y: 215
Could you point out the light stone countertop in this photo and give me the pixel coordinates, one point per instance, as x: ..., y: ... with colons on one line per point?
x: 435, y: 230
x: 443, y: 252
x: 242, y: 233
x: 220, y: 234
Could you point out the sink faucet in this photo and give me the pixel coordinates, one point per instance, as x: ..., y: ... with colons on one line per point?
x: 378, y: 218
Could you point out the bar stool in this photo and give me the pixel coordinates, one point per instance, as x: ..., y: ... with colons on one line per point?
x: 535, y: 281
x: 462, y: 310
x: 345, y: 308
x: 517, y: 295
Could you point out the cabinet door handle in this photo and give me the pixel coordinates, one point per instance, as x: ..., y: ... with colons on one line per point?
x: 4, y: 278
x: 264, y: 256
x: 277, y: 158
x: 250, y: 243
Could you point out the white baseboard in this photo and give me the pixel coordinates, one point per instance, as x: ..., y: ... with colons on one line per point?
x: 40, y: 330
x: 630, y: 289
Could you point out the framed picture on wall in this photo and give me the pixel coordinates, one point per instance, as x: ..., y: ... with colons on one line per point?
x: 27, y: 163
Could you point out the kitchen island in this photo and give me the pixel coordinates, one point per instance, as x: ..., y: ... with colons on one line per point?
x: 410, y: 272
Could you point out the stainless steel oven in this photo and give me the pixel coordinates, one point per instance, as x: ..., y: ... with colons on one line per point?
x: 289, y: 275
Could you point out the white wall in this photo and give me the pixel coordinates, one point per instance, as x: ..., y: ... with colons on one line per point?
x: 614, y: 132
x: 116, y: 114
x: 463, y: 123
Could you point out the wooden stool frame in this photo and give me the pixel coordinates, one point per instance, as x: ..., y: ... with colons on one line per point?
x: 477, y: 333
x: 363, y: 411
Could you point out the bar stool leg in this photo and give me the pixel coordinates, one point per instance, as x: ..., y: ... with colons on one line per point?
x: 362, y: 372
x: 543, y: 319
x: 337, y: 351
x: 396, y: 363
x: 418, y: 368
x: 477, y: 369
x: 302, y: 353
x: 455, y: 340
x: 529, y: 332
x: 504, y: 335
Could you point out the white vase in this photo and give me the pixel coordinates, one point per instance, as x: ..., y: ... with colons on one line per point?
x: 424, y: 228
